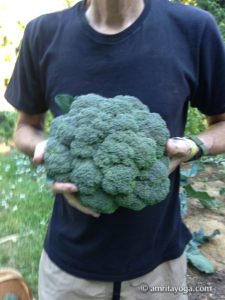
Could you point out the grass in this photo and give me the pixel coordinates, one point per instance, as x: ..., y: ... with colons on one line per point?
x: 25, y: 207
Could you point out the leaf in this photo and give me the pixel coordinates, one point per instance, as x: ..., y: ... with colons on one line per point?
x: 183, y: 182
x: 206, y: 200
x: 183, y: 204
x: 198, y: 260
x: 194, y: 256
x: 64, y: 102
x: 222, y: 191
x: 199, y: 237
x: 192, y: 171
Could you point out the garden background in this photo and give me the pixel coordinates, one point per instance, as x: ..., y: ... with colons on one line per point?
x: 25, y: 202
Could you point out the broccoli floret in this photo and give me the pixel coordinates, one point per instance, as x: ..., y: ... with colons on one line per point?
x: 86, y: 116
x: 64, y: 129
x: 131, y: 201
x: 152, y: 193
x: 152, y: 185
x: 145, y: 152
x: 123, y: 122
x: 157, y: 172
x: 79, y: 149
x: 89, y: 135
x: 85, y: 101
x: 102, y: 122
x: 119, y: 179
x: 57, y: 158
x: 113, y: 150
x: 126, y: 147
x: 99, y: 201
x: 87, y: 177
x: 61, y: 177
x: 151, y: 127
x: 133, y: 103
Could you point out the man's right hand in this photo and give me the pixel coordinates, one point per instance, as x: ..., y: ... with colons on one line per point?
x: 66, y: 188
x: 39, y: 151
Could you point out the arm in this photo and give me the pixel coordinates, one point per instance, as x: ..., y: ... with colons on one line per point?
x: 29, y: 132
x: 213, y: 138
x: 30, y: 139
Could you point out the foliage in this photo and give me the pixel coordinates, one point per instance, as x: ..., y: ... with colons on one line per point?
x: 215, y: 7
x: 9, y: 48
x: 189, y: 191
x: 69, y: 3
x: 48, y: 119
x: 218, y: 160
x: 194, y: 255
x: 196, y: 122
x: 113, y: 150
x: 7, y: 125
x: 25, y: 207
x: 8, y: 122
x: 204, y: 198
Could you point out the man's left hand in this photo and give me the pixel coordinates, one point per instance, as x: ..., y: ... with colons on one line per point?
x: 178, y: 150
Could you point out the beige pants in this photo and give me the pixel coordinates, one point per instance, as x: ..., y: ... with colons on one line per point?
x: 55, y: 284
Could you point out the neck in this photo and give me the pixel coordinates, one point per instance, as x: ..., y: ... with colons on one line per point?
x: 113, y: 16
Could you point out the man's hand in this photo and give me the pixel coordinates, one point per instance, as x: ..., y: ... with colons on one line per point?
x: 178, y: 151
x: 39, y: 151
x: 67, y: 189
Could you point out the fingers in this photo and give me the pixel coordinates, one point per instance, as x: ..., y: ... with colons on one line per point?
x: 178, y: 151
x: 178, y: 147
x: 173, y: 164
x: 68, y: 190
x: 63, y: 187
x: 73, y: 201
x: 39, y: 151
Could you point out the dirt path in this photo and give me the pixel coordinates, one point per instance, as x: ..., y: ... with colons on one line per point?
x: 212, y: 179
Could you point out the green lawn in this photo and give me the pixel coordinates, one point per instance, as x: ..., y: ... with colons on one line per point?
x: 25, y: 207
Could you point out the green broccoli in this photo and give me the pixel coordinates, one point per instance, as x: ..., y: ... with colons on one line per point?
x: 57, y: 158
x: 87, y: 176
x: 112, y: 149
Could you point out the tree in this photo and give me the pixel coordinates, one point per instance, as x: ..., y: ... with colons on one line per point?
x: 215, y: 7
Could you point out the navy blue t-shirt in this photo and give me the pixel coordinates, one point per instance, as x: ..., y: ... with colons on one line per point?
x: 170, y: 56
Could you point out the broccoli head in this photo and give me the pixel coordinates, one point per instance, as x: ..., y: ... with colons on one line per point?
x: 112, y: 149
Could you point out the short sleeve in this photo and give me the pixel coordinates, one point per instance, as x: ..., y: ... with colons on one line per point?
x: 209, y: 97
x: 24, y: 91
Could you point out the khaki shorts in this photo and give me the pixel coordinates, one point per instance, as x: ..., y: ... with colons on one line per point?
x: 55, y: 284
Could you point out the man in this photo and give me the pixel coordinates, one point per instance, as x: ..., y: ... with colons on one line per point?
x: 165, y: 54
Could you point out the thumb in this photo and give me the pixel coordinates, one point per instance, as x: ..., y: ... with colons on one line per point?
x: 178, y: 148
x: 39, y: 151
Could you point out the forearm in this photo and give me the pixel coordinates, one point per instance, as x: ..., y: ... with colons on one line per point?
x: 29, y: 132
x: 179, y: 150
x: 214, y: 138
x: 27, y: 137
